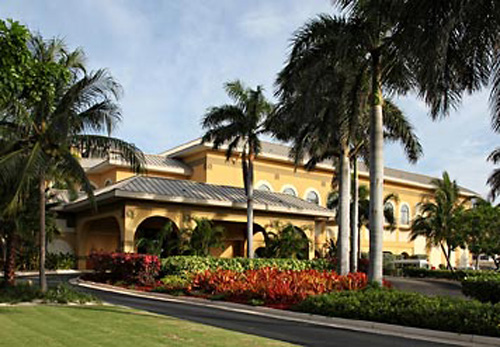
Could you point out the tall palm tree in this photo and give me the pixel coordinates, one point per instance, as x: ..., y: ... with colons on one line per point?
x: 438, y: 217
x: 239, y: 126
x: 49, y: 131
x: 324, y: 110
x: 494, y: 179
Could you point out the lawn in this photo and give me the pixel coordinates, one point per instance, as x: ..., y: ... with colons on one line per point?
x: 44, y: 325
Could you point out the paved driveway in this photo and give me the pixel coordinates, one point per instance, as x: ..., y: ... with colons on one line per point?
x: 428, y: 286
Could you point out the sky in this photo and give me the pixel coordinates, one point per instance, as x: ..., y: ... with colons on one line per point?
x: 173, y: 57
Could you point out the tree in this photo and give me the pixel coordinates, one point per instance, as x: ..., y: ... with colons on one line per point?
x: 324, y: 110
x: 360, y: 203
x: 205, y: 236
x: 439, y: 219
x: 73, y: 107
x: 239, y: 126
x: 162, y: 243
x: 480, y: 229
x: 286, y: 241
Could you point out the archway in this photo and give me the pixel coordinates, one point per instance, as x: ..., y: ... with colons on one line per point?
x: 157, y: 235
x: 235, y: 239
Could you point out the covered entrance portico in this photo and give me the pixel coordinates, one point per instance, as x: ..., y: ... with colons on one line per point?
x: 123, y: 213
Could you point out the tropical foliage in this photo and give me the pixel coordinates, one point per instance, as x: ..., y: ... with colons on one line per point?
x: 61, y: 111
x: 439, y: 220
x: 286, y: 241
x: 238, y: 126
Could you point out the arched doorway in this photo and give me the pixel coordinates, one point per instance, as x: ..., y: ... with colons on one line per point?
x: 235, y: 239
x: 157, y: 235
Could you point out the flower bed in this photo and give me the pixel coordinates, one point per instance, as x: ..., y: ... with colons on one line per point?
x: 269, y: 286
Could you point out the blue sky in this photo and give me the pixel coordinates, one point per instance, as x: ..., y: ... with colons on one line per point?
x: 172, y: 58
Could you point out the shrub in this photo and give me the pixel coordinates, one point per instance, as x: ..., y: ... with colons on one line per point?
x: 129, y: 268
x: 445, y: 274
x: 185, y: 265
x: 24, y: 292
x: 60, y: 261
x: 484, y: 288
x: 173, y: 284
x: 274, y: 286
x: 410, y: 309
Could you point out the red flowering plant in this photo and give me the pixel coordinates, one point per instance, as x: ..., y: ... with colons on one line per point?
x: 129, y: 268
x: 274, y: 286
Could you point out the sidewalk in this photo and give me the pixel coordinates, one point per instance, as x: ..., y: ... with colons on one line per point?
x: 338, y: 323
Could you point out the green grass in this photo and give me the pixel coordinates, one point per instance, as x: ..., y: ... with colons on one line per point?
x: 44, y: 325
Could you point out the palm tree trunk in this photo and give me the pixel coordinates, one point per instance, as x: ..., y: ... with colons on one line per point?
x: 447, y: 257
x: 376, y: 175
x: 42, y: 240
x: 250, y: 208
x: 355, y: 217
x: 344, y: 205
x: 10, y: 258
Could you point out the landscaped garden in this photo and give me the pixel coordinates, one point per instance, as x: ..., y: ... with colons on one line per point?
x: 310, y: 286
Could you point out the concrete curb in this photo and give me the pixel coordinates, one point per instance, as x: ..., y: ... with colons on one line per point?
x: 338, y: 323
x: 50, y: 272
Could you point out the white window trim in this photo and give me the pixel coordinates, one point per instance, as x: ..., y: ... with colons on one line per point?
x: 289, y: 186
x: 308, y: 190
x: 409, y: 214
x: 264, y: 183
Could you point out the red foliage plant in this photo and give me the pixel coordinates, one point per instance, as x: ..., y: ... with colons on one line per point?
x: 130, y: 268
x: 274, y: 286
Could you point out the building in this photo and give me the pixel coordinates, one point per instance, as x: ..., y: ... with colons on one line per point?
x: 193, y: 180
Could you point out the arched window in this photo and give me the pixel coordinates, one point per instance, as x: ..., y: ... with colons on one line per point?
x: 289, y: 191
x: 264, y: 187
x: 313, y: 197
x: 108, y: 182
x: 404, y: 215
x: 389, y: 213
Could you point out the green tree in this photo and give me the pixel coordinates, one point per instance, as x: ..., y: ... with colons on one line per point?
x: 73, y: 107
x: 439, y: 219
x: 286, y: 241
x: 162, y: 243
x: 205, y: 236
x: 239, y: 126
x: 480, y: 228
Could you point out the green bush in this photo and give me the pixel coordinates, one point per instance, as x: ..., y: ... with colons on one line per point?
x: 185, y: 265
x: 60, y: 261
x: 484, y: 288
x: 445, y: 274
x: 173, y: 284
x: 25, y: 292
x: 409, y: 309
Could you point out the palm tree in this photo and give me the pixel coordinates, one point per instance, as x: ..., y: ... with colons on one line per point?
x: 324, y: 110
x: 360, y: 203
x: 239, y: 126
x: 439, y: 213
x: 494, y: 179
x: 50, y: 130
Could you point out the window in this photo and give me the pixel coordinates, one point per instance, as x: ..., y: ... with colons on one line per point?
x: 264, y: 187
x: 404, y: 216
x: 313, y: 197
x: 289, y: 191
x: 108, y: 182
x: 388, y: 213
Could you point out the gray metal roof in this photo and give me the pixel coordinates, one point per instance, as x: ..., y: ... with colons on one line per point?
x: 185, y: 191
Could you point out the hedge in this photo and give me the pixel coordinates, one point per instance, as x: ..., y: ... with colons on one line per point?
x: 444, y: 274
x: 409, y: 309
x: 129, y: 268
x: 484, y: 288
x: 185, y: 265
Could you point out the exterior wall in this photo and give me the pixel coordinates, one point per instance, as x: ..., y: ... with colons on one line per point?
x: 117, y: 174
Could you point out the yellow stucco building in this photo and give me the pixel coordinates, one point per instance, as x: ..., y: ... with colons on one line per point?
x: 193, y: 180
